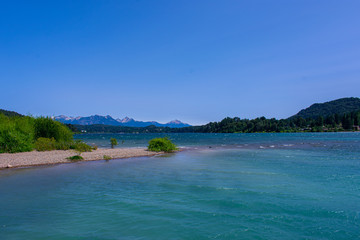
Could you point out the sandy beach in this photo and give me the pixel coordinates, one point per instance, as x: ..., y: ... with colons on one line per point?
x: 35, y: 158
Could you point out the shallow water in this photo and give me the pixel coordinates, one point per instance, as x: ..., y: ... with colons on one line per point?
x: 246, y: 186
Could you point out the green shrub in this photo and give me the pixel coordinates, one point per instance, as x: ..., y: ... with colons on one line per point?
x: 75, y: 158
x: 21, y: 134
x: 12, y: 141
x: 24, y: 125
x: 106, y: 157
x: 45, y: 144
x: 113, y: 142
x: 64, y: 145
x: 46, y: 127
x: 161, y: 145
x: 80, y: 146
x: 16, y: 134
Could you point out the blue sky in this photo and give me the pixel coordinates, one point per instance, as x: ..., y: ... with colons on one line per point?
x: 197, y: 61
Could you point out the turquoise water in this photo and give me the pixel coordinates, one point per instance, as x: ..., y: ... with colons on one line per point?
x: 222, y: 186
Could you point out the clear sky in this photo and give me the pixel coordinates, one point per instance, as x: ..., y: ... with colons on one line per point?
x: 197, y: 61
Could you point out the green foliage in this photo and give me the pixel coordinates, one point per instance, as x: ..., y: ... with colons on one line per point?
x: 45, y: 144
x: 21, y: 134
x: 13, y: 141
x: 75, y: 158
x: 48, y: 144
x: 16, y: 134
x: 62, y: 145
x: 161, y: 145
x: 113, y: 142
x: 106, y: 157
x: 347, y: 122
x: 48, y: 128
x: 81, y: 146
x: 72, y: 128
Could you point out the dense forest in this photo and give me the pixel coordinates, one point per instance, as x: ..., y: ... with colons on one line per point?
x: 332, y: 123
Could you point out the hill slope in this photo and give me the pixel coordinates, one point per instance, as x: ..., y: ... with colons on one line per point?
x: 339, y: 106
x: 10, y: 113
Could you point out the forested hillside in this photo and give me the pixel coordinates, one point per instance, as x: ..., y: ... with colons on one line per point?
x: 332, y: 123
x: 340, y: 106
x: 10, y: 113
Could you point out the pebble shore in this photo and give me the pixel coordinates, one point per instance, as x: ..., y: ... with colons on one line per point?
x: 35, y: 158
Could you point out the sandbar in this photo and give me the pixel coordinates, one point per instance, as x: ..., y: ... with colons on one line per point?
x: 35, y: 158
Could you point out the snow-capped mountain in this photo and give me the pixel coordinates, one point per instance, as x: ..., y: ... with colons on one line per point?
x: 108, y: 120
x: 125, y: 120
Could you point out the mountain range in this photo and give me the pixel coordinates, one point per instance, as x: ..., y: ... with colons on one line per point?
x: 108, y: 120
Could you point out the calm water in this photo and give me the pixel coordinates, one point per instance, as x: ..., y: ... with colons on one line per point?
x: 246, y: 186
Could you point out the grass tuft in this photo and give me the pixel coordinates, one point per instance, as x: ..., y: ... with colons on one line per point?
x: 75, y: 158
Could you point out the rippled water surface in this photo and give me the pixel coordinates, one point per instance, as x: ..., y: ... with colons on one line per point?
x: 222, y: 186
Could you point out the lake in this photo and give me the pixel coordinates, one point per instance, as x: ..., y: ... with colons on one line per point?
x: 221, y: 186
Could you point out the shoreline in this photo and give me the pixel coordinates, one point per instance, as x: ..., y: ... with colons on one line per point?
x: 35, y: 158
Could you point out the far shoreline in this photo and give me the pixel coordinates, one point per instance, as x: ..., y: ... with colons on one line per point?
x: 36, y: 158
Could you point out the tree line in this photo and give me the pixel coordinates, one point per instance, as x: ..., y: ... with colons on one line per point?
x: 330, y: 123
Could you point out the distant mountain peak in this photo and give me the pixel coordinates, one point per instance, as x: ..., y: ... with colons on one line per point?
x: 175, y: 121
x: 125, y: 120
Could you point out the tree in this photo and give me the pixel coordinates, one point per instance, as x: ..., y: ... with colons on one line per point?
x: 320, y: 121
x: 337, y: 118
x: 113, y: 142
x: 347, y: 122
x: 330, y: 120
x: 357, y: 119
